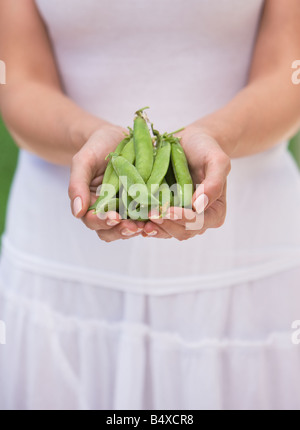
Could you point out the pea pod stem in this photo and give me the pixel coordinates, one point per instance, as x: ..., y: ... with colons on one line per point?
x: 141, y: 111
x: 175, y: 132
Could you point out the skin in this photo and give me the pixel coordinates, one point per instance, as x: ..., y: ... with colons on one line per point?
x: 36, y: 111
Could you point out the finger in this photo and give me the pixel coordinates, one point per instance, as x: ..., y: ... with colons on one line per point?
x: 215, y: 215
x: 153, y: 230
x: 212, y: 187
x: 125, y: 230
x: 175, y: 229
x: 187, y: 218
x: 94, y: 185
x: 83, y: 171
x: 101, y: 221
x: 180, y: 215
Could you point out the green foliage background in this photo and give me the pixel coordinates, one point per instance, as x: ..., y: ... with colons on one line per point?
x: 8, y: 161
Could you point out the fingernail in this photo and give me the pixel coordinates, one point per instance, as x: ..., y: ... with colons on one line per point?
x: 77, y: 206
x: 201, y: 203
x: 152, y: 233
x: 127, y: 232
x: 112, y: 222
x: 172, y: 216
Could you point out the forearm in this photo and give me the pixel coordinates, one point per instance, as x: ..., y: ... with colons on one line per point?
x: 264, y: 113
x: 44, y: 121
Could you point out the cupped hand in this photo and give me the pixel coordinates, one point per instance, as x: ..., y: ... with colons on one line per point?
x: 88, y: 167
x: 209, y: 167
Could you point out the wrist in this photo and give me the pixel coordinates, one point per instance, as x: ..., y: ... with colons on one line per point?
x: 225, y: 133
x: 81, y: 129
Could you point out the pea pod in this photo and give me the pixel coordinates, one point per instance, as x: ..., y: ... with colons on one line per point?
x: 174, y: 187
x: 138, y: 212
x: 106, y: 206
x: 132, y: 181
x: 128, y: 151
x: 143, y: 147
x: 165, y: 197
x: 160, y: 167
x: 133, y: 209
x: 124, y: 203
x: 109, y: 171
x: 129, y: 155
x: 182, y: 173
x: 109, y: 168
x: 108, y: 193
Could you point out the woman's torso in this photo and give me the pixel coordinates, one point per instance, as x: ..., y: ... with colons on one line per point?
x: 184, y: 59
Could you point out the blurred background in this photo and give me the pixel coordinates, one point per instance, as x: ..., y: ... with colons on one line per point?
x: 8, y: 162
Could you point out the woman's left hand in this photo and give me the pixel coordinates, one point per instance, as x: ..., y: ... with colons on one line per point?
x: 210, y: 167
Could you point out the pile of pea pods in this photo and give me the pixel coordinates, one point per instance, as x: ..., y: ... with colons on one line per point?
x: 147, y: 172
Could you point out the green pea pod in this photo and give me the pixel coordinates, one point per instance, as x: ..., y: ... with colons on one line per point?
x: 133, y: 209
x: 109, y: 168
x: 107, y: 192
x: 128, y: 151
x: 124, y: 202
x: 160, y: 167
x: 126, y: 199
x: 165, y: 197
x: 182, y: 173
x: 107, y: 206
x: 129, y: 154
x: 143, y: 147
x: 132, y: 181
x: 176, y: 197
x: 138, y: 212
x: 109, y: 171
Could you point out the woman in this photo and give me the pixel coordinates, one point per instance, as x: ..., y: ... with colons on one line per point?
x: 202, y: 323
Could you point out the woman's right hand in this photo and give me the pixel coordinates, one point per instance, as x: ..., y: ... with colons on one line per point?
x: 88, y: 167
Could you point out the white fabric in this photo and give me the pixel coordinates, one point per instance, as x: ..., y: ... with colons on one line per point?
x: 77, y: 346
x: 179, y: 324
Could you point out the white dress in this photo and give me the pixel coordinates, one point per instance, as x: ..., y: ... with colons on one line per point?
x: 148, y: 323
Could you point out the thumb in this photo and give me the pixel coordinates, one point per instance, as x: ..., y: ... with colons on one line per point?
x: 82, y: 174
x: 211, y: 189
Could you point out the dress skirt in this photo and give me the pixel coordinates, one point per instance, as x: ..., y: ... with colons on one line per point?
x: 74, y: 345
